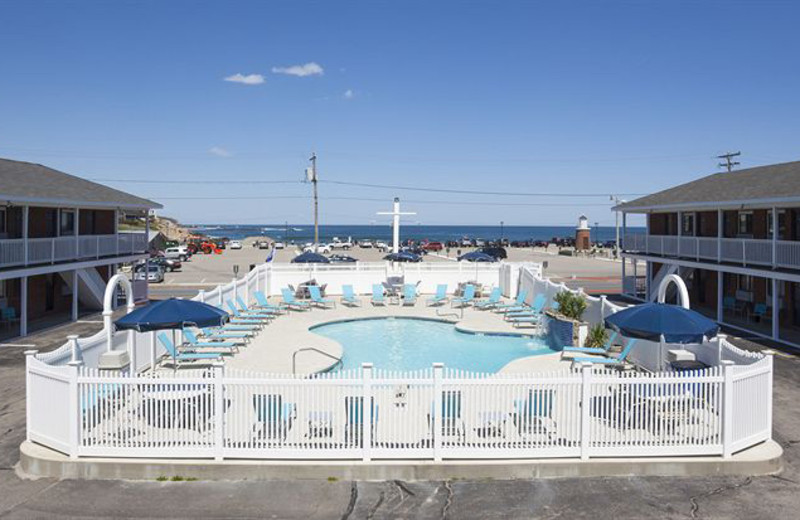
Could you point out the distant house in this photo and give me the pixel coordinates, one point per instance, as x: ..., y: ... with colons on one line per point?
x: 734, y: 237
x: 59, y: 244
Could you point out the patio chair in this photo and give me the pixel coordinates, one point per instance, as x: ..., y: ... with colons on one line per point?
x: 318, y: 300
x: 467, y: 299
x: 349, y: 296
x: 598, y: 350
x: 234, y: 310
x: 618, y: 360
x: 222, y: 334
x: 377, y: 295
x: 494, y: 299
x: 293, y: 303
x: 255, y: 310
x: 534, y: 414
x: 519, y: 302
x: 193, y: 342
x: 10, y: 317
x: 274, y: 418
x: 409, y: 294
x: 181, y: 357
x: 440, y: 297
x: 263, y: 303
x: 354, y: 425
x: 533, y: 310
x: 759, y: 311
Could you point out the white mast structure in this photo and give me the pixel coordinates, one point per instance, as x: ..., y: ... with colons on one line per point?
x: 395, y: 213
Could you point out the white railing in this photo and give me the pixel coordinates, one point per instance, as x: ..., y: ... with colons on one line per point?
x: 373, y: 414
x: 61, y: 249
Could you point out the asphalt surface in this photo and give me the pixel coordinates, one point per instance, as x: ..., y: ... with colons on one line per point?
x: 633, y: 497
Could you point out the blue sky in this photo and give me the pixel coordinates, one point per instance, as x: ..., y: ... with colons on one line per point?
x: 522, y: 97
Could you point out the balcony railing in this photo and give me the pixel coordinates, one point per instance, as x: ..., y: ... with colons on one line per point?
x: 63, y: 249
x: 745, y: 251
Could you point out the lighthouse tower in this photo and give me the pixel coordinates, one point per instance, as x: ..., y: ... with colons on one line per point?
x: 583, y: 235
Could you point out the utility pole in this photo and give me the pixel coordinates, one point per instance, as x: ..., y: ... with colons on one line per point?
x: 729, y: 164
x: 311, y: 176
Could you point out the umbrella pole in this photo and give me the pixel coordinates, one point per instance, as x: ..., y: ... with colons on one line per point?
x: 174, y: 360
x: 661, y: 353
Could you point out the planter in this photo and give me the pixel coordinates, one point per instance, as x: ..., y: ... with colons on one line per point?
x: 565, y: 331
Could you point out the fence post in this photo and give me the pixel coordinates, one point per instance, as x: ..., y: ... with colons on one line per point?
x: 770, y: 359
x: 586, y: 393
x: 29, y: 355
x: 202, y: 295
x: 235, y: 289
x: 438, y: 370
x: 219, y: 409
x: 602, y: 307
x: 74, y: 408
x: 727, y: 408
x: 366, y: 434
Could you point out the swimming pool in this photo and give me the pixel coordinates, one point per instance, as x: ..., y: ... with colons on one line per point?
x: 412, y: 344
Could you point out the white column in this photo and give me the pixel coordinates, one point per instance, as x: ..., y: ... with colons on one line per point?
x: 23, y: 304
x: 396, y: 226
x: 648, y: 279
x: 719, y: 235
x: 25, y: 233
x: 116, y: 230
x: 775, y: 309
x: 75, y: 301
x: 680, y: 231
x: 774, y: 237
x: 720, y: 292
x: 77, y: 232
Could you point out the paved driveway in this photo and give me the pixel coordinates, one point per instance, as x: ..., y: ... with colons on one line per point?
x: 634, y: 497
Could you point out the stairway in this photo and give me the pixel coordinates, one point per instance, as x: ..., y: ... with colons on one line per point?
x: 91, y: 287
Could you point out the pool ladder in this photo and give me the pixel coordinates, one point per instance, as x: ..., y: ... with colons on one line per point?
x: 448, y: 313
x: 294, y: 357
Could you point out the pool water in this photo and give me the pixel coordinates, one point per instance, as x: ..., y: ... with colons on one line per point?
x: 412, y: 344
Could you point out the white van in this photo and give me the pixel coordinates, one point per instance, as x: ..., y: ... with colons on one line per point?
x: 178, y: 253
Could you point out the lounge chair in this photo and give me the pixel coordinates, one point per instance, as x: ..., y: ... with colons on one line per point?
x: 409, y: 294
x: 274, y: 418
x: 598, y: 350
x: 619, y: 359
x: 377, y: 295
x: 440, y: 297
x: 534, y: 414
x: 237, y: 327
x: 293, y: 303
x: 527, y: 310
x: 519, y: 301
x: 349, y: 296
x: 181, y: 357
x: 221, y: 333
x: 263, y: 303
x: 494, y: 299
x: 354, y: 427
x: 247, y: 314
x: 318, y: 300
x: 254, y: 310
x: 193, y: 342
x: 467, y: 299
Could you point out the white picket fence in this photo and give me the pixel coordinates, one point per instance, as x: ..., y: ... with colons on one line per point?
x: 375, y: 414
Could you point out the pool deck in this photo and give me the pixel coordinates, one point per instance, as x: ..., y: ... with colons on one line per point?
x: 273, y: 348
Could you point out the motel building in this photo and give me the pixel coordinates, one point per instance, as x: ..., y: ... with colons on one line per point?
x: 59, y: 244
x: 734, y: 238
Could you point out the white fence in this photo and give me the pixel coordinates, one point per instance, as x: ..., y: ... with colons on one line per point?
x: 373, y: 414
x: 60, y: 249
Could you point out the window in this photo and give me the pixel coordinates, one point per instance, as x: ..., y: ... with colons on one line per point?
x: 67, y: 222
x: 745, y: 223
x: 687, y: 224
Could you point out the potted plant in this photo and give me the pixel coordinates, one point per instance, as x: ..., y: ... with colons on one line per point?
x: 566, y: 323
x: 598, y: 335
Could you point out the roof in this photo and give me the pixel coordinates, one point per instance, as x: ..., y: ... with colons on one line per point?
x: 25, y: 182
x: 775, y: 183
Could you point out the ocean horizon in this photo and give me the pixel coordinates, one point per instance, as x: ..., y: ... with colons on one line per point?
x: 305, y: 232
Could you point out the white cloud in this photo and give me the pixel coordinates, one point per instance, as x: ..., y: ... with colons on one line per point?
x: 349, y: 94
x: 219, y: 152
x: 250, y: 79
x: 309, y: 69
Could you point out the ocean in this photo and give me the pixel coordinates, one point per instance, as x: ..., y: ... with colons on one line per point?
x: 305, y: 232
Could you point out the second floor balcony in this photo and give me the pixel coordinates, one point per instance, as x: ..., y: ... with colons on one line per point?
x: 752, y: 252
x: 18, y: 252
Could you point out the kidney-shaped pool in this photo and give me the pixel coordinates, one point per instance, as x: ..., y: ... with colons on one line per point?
x: 413, y: 343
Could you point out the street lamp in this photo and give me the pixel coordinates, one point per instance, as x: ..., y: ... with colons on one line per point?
x: 501, y: 232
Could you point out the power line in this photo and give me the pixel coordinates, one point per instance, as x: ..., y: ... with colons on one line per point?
x: 193, y: 181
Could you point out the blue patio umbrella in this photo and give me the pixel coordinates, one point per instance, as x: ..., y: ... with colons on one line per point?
x: 172, y: 314
x: 310, y: 257
x: 476, y: 256
x: 654, y: 321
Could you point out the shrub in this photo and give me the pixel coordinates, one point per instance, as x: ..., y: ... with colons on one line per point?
x: 598, y: 335
x: 572, y: 305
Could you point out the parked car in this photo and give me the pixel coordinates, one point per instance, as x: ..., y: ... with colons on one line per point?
x: 235, y: 245
x: 322, y: 249
x: 497, y: 252
x: 365, y: 244
x: 168, y: 264
x: 155, y: 274
x: 278, y: 245
x: 433, y: 246
x: 340, y: 259
x: 381, y: 246
x: 264, y: 244
x: 179, y: 253
x: 340, y: 244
